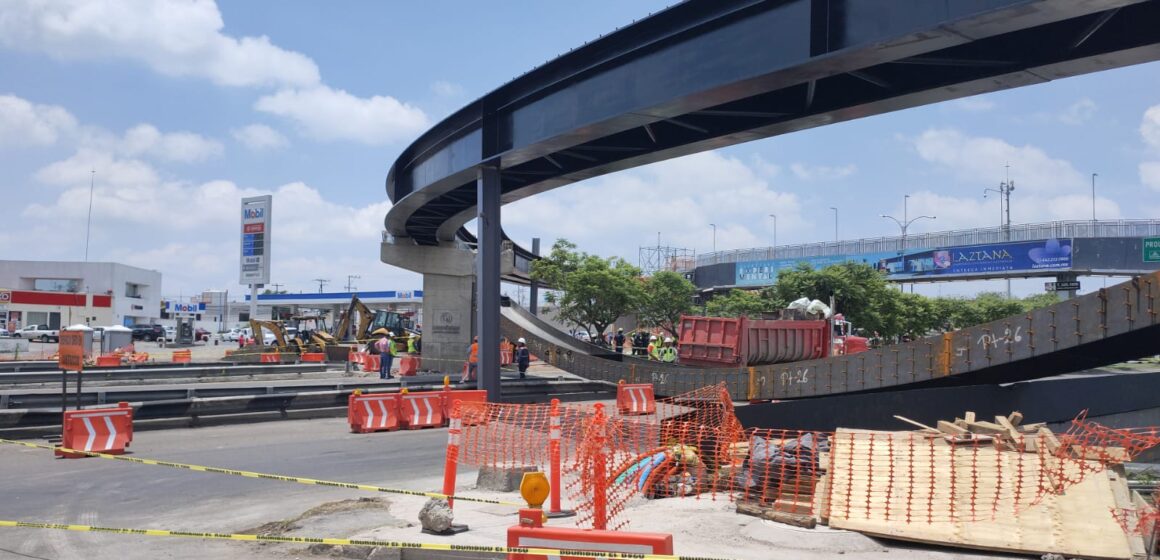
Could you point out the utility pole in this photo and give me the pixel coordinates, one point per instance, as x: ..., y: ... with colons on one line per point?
x: 835, y: 225
x: 714, y: 226
x: 321, y: 282
x: 349, y: 277
x: 277, y: 287
x: 1004, y: 192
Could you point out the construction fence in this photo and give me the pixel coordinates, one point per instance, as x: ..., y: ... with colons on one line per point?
x: 694, y: 447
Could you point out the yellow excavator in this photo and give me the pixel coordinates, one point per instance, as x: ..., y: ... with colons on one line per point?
x: 312, y: 334
x: 369, y: 321
x: 258, y: 326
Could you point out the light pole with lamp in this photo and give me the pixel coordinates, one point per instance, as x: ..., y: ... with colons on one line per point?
x: 835, y: 225
x: 905, y: 222
x: 714, y: 226
x: 774, y: 216
x: 1094, y: 198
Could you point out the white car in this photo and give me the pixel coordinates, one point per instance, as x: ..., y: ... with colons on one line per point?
x: 232, y: 334
x: 170, y: 333
x: 4, y: 333
x: 267, y: 336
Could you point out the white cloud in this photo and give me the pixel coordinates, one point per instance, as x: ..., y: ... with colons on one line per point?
x: 1079, y: 207
x: 822, y: 172
x: 974, y: 104
x: 980, y: 160
x: 1079, y: 112
x: 443, y: 88
x: 1150, y: 174
x: 1150, y: 127
x: 259, y: 137
x: 328, y: 114
x: 183, y: 147
x: 173, y: 37
x: 26, y: 124
x: 112, y: 171
x: 616, y: 214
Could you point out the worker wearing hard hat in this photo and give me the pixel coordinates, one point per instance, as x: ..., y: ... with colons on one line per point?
x: 386, y: 347
x: 668, y: 353
x: 523, y: 357
x: 654, y: 348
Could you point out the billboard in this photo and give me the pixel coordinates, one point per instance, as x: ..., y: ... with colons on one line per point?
x: 976, y: 260
x: 980, y: 260
x: 255, y: 259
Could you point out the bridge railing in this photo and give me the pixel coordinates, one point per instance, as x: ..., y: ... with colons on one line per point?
x: 976, y: 236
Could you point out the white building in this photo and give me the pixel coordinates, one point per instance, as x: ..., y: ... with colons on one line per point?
x: 58, y: 293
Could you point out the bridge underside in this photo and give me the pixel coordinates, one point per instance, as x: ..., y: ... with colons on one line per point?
x: 743, y: 74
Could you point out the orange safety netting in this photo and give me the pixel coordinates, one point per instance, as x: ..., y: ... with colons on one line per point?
x: 694, y: 445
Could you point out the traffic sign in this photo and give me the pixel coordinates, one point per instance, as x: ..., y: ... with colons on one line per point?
x: 1151, y: 249
x: 1064, y: 286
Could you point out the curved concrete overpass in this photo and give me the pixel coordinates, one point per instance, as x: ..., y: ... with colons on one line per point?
x: 704, y: 75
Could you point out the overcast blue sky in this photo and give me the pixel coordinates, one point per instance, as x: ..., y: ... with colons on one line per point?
x: 184, y: 107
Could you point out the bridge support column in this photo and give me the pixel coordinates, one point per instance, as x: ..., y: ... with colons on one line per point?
x: 488, y: 280
x: 448, y: 278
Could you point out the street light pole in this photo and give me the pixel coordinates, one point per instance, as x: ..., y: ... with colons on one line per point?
x: 774, y: 216
x: 1094, y: 197
x: 89, y: 221
x: 904, y: 224
x: 714, y: 237
x: 835, y: 225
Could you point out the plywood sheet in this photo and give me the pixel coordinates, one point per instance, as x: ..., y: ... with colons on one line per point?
x: 903, y: 486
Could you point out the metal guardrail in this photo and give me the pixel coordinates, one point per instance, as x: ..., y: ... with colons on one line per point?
x: 977, y: 236
x: 177, y: 371
x: 335, y: 398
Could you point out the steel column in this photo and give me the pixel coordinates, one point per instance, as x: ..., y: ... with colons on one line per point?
x: 534, y: 304
x: 487, y: 277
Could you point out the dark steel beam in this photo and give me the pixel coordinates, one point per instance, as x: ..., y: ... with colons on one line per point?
x: 487, y: 278
x: 1095, y: 26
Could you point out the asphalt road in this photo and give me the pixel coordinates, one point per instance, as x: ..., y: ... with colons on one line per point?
x: 36, y: 487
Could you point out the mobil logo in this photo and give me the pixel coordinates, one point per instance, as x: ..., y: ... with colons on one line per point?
x: 253, y: 213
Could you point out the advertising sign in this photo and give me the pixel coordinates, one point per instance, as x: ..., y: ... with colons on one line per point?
x: 981, y: 260
x: 975, y: 260
x: 71, y: 354
x: 5, y: 296
x: 178, y: 308
x: 255, y: 259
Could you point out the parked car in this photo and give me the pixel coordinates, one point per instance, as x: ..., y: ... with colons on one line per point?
x: 232, y: 334
x: 39, y: 332
x: 201, y: 335
x: 267, y: 336
x: 170, y: 333
x: 148, y: 332
x: 4, y: 333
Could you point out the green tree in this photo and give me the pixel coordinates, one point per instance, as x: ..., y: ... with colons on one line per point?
x: 860, y: 293
x: 993, y: 306
x: 590, y: 291
x: 667, y: 296
x: 736, y: 303
x: 1040, y: 300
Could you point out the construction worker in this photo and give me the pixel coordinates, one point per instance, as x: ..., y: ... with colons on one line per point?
x: 523, y: 357
x: 618, y: 341
x: 639, y: 342
x: 654, y: 348
x: 668, y: 352
x: 411, y: 344
x: 386, y: 347
x: 472, y: 361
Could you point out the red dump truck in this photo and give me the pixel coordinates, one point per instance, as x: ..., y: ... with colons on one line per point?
x: 725, y: 341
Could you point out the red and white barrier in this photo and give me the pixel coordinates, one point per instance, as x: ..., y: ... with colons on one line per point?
x: 448, y: 398
x: 422, y: 410
x: 100, y: 430
x: 635, y: 399
x: 372, y: 413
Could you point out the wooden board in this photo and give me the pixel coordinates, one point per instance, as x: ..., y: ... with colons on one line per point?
x: 899, y: 485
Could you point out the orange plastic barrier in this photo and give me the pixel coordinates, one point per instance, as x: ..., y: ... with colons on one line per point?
x: 422, y: 410
x: 270, y: 358
x: 313, y: 357
x: 101, y: 430
x: 635, y: 399
x: 371, y: 363
x: 531, y: 533
x: 408, y: 365
x: 182, y: 357
x: 108, y: 360
x: 449, y: 398
x: 372, y: 413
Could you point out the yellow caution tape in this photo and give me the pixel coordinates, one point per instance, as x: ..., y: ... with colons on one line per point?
x: 358, y: 542
x: 265, y: 476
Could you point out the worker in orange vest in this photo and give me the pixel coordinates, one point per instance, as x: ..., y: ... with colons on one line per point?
x: 472, y: 361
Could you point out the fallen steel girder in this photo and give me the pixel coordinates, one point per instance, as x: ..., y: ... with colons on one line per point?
x: 1104, y: 327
